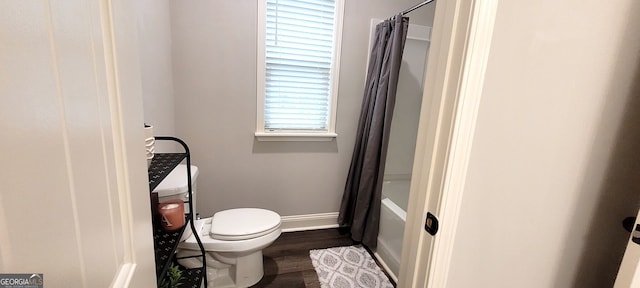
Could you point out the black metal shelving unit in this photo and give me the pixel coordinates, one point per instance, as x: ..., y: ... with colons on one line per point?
x: 165, y: 243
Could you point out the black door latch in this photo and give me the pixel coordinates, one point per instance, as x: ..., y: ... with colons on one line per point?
x: 431, y: 224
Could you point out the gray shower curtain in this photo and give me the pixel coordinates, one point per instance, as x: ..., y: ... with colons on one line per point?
x: 360, y: 208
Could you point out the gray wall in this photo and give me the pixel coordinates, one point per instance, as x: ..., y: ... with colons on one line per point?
x: 154, y: 42
x: 214, y: 73
x: 555, y: 162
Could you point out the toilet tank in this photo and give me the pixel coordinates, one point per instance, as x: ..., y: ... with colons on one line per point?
x: 175, y: 186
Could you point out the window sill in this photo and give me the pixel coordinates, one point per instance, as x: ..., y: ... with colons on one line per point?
x: 300, y: 137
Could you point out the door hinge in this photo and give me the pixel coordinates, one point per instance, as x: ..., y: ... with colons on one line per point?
x: 431, y: 224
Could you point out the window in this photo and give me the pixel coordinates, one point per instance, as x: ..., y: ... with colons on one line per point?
x: 298, y: 61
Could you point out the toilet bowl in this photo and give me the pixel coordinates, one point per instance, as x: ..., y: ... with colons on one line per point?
x: 233, y: 241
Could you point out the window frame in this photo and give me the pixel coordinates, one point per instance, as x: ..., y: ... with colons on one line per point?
x: 297, y: 135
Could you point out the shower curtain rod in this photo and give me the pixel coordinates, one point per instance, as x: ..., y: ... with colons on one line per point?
x: 416, y: 7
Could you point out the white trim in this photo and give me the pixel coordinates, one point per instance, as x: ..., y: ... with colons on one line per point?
x: 454, y: 86
x: 263, y: 136
x: 385, y: 267
x: 125, y: 102
x: 429, y: 143
x: 113, y: 54
x: 470, y: 93
x: 261, y: 65
x: 124, y: 275
x: 309, y: 222
x: 335, y: 69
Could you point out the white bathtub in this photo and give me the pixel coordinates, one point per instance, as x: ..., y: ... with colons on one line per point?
x: 392, y: 219
x: 396, y: 188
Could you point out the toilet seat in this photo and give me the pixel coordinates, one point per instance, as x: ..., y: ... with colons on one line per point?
x: 243, y: 223
x: 262, y: 227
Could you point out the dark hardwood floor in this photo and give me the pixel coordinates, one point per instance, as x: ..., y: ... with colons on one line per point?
x: 287, y: 263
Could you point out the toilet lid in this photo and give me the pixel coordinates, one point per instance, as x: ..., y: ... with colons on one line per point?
x: 243, y: 223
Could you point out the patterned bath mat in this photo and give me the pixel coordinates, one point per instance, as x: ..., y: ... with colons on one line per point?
x: 347, y: 267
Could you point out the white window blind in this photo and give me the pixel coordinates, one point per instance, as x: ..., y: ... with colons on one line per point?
x: 299, y: 50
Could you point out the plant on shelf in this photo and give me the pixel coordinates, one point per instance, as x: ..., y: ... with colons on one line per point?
x: 172, y: 279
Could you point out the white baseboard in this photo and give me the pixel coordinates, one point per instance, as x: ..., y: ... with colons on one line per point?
x: 386, y: 267
x: 309, y: 222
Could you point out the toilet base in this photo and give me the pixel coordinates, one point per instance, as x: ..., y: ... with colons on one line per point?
x: 227, y: 270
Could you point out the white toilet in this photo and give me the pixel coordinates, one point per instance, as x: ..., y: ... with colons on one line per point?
x: 175, y: 186
x: 233, y: 240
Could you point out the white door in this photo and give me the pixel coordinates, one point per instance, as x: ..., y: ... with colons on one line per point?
x: 629, y: 271
x: 74, y: 202
x: 457, y: 59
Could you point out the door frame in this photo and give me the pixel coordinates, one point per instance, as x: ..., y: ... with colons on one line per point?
x: 459, y: 51
x: 125, y: 100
